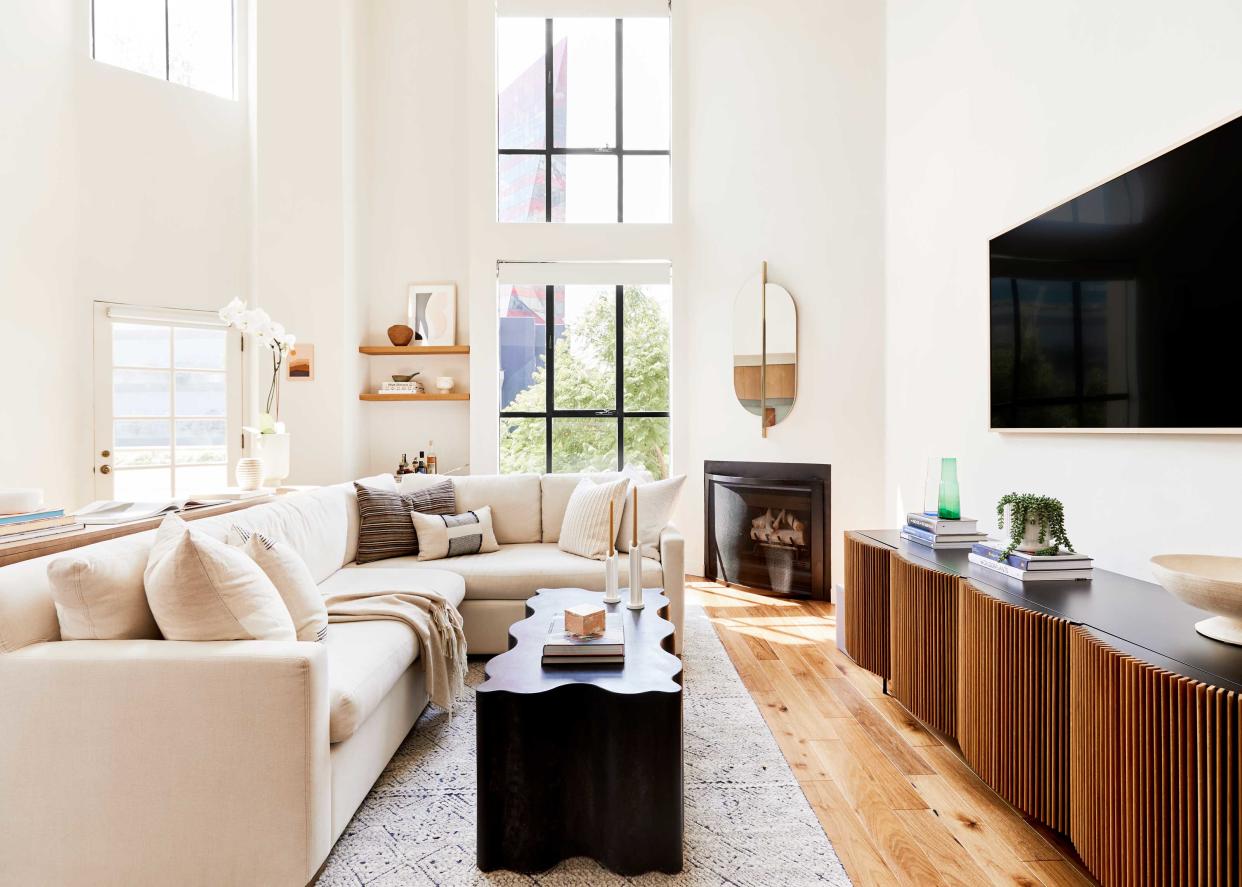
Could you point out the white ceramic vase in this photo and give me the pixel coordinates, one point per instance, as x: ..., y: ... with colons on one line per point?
x: 612, y: 594
x: 1030, y: 536
x: 249, y: 473
x: 274, y: 451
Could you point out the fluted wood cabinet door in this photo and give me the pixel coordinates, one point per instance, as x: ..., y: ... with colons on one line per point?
x: 1154, y: 770
x: 1012, y: 703
x: 866, y: 603
x: 923, y: 642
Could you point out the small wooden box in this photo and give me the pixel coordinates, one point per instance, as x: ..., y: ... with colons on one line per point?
x: 584, y: 619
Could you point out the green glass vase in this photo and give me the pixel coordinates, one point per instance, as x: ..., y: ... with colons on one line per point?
x: 949, y: 506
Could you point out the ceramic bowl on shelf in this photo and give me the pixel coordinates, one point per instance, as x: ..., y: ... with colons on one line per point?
x: 403, y: 377
x: 1208, y: 582
x: 444, y: 384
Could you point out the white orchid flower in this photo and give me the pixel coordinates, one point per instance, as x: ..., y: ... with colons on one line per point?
x: 231, y: 312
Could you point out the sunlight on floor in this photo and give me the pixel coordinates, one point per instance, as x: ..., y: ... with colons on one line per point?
x: 809, y: 624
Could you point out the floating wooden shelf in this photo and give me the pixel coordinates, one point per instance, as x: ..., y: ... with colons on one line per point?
x: 413, y: 349
x: 454, y: 396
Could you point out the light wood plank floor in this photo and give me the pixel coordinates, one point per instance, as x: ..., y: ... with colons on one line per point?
x: 897, y: 801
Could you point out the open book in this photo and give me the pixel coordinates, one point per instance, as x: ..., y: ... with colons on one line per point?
x: 106, y: 512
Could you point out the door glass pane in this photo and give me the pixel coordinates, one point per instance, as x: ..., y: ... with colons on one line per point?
x: 521, y: 183
x: 646, y: 444
x: 201, y: 394
x: 584, y: 188
x: 142, y: 484
x: 586, y: 348
x: 645, y: 99
x: 646, y: 188
x: 522, y: 446
x: 140, y: 443
x: 140, y: 393
x: 520, y: 68
x: 584, y: 73
x: 648, y: 324
x: 195, y: 348
x: 584, y: 445
x: 130, y: 34
x: 523, y: 378
x: 201, y: 441
x: 139, y: 345
x: 200, y: 45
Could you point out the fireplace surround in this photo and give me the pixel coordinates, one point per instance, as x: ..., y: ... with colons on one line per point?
x: 766, y: 526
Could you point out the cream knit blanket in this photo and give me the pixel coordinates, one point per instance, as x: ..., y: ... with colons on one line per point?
x: 434, y: 621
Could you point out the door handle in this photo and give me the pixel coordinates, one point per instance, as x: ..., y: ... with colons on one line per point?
x: 105, y: 469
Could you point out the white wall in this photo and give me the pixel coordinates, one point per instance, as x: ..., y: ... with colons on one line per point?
x: 782, y: 121
x: 997, y: 111
x: 117, y: 187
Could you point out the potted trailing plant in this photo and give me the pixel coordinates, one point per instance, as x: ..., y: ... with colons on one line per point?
x: 1036, y: 524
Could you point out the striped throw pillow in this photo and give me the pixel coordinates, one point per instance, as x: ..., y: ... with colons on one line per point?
x: 384, y: 528
x: 452, y: 535
x: 292, y: 578
x: 585, y: 528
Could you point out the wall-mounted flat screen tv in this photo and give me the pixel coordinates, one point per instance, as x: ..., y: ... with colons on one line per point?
x: 1122, y: 308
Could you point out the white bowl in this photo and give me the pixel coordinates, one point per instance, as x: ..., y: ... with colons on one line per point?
x: 20, y: 500
x: 1208, y: 582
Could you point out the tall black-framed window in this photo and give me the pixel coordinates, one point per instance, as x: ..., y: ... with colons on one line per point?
x: 188, y: 42
x: 583, y: 120
x: 584, y: 378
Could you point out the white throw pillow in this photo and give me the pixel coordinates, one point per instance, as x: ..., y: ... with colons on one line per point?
x: 99, y: 595
x: 202, y: 589
x: 655, y: 508
x: 585, y: 528
x: 451, y: 535
x: 292, y: 578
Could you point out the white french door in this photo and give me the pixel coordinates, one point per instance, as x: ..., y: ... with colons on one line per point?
x: 168, y: 402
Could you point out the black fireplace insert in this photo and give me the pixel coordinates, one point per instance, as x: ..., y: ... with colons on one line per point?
x: 766, y: 526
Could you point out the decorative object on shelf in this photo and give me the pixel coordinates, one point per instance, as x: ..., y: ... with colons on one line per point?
x: 400, y: 335
x: 1209, y: 582
x: 444, y: 384
x: 431, y: 308
x: 272, y: 336
x: 20, y: 500
x: 612, y: 594
x: 302, y: 363
x: 1036, y: 524
x: 949, y: 502
x: 249, y: 473
x: 636, y: 559
x: 940, y: 533
x: 272, y: 449
x: 765, y: 349
x: 403, y: 384
x: 584, y: 620
x: 403, y: 377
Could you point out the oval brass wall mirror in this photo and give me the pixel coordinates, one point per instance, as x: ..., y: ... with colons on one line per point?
x: 765, y: 349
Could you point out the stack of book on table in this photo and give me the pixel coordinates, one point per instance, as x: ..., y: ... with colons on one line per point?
x: 1031, y: 567
x: 941, y: 533
x: 36, y: 525
x: 562, y: 648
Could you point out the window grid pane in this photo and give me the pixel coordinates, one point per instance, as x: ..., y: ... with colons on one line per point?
x: 188, y: 42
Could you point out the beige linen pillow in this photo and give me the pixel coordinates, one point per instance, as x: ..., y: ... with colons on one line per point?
x: 292, y: 578
x: 99, y: 595
x: 655, y: 508
x: 202, y: 589
x: 585, y: 528
x: 451, y: 535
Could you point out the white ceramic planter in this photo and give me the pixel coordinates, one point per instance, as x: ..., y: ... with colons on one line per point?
x: 249, y: 473
x: 1030, y: 538
x: 274, y: 451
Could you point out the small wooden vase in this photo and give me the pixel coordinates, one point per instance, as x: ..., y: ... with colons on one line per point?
x: 400, y: 335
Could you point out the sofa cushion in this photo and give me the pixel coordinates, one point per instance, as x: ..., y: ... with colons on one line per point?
x: 396, y: 574
x: 516, y: 572
x: 592, y: 518
x: 557, y: 490
x: 385, y: 529
x: 655, y: 509
x: 514, y: 500
x: 364, y: 660
x: 100, y: 596
x: 454, y: 535
x: 289, y: 573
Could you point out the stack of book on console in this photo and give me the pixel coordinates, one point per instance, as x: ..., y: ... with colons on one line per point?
x: 941, y: 533
x: 36, y: 525
x: 562, y: 648
x: 1031, y: 567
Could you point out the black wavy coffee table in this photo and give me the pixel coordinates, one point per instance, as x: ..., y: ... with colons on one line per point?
x: 580, y: 761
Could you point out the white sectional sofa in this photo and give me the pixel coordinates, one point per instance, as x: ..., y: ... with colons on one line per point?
x: 241, y: 762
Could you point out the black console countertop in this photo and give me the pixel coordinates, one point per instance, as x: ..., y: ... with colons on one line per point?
x: 1135, y: 617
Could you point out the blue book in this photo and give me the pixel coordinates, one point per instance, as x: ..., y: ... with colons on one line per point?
x: 923, y: 533
x: 31, y: 515
x: 1023, y: 561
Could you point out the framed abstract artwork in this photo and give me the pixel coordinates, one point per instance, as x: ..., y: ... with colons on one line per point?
x: 431, y: 311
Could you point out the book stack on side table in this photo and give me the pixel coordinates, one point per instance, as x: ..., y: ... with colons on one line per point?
x: 941, y: 533
x: 1031, y: 567
x: 563, y: 648
x: 36, y: 524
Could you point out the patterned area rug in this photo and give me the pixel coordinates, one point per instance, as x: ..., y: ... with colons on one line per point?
x: 747, y: 821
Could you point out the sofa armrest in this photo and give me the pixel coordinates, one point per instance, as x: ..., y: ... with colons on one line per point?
x: 673, y: 563
x: 164, y: 762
